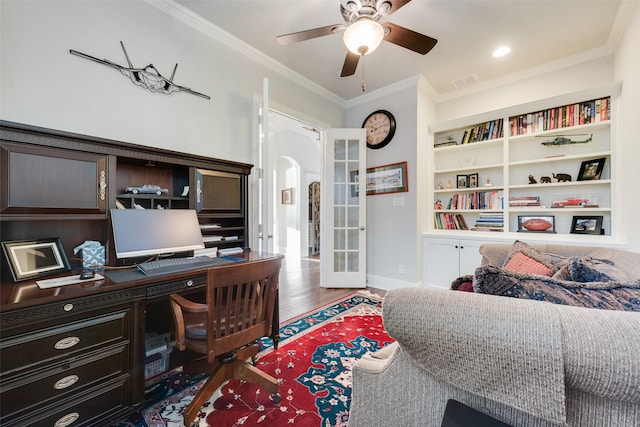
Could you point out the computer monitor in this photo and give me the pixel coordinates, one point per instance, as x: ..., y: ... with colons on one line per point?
x: 145, y: 232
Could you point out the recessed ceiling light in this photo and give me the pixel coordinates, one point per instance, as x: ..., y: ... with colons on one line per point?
x: 501, y: 51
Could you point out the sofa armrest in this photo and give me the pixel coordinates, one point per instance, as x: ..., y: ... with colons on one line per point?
x: 602, y: 352
x: 503, y: 349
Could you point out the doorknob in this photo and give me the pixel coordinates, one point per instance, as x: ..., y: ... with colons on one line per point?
x: 362, y: 228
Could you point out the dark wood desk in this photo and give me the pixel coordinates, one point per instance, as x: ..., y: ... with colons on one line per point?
x: 75, y: 354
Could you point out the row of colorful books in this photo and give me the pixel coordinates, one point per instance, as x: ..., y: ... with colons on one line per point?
x: 477, y: 200
x: 489, y: 221
x: 448, y: 221
x: 594, y: 111
x: 483, y: 132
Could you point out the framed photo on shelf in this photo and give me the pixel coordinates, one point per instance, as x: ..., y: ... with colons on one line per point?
x: 536, y: 223
x: 287, y: 196
x: 462, y: 181
x: 30, y: 259
x: 591, y: 169
x: 587, y: 225
x: 473, y: 180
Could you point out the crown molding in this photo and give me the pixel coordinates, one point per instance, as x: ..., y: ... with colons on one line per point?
x: 197, y: 22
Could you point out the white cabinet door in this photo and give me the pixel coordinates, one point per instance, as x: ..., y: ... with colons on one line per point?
x: 446, y: 259
x: 470, y: 257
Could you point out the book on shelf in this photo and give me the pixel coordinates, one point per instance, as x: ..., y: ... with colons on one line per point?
x: 579, y: 113
x: 209, y: 226
x: 212, y: 238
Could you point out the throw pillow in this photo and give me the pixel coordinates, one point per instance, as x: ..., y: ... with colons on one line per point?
x: 550, y: 260
x: 590, y: 270
x: 521, y: 263
x: 604, y: 295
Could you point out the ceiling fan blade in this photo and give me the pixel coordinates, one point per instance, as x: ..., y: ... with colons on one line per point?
x: 397, y: 4
x: 408, y: 39
x: 310, y: 34
x: 350, y: 64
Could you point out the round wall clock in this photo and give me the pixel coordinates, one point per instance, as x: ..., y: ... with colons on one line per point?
x: 380, y: 126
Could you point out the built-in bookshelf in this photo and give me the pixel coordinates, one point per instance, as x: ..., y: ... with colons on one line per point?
x: 552, y: 160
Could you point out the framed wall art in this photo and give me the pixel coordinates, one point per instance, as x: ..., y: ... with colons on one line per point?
x: 30, y: 259
x: 385, y: 179
x: 287, y: 196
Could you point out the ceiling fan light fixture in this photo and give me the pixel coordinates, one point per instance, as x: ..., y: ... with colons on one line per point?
x: 363, y: 36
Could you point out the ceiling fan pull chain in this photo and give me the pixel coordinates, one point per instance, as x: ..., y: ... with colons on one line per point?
x: 362, y: 83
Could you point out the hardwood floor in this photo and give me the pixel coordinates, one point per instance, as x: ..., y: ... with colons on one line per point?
x: 300, y: 290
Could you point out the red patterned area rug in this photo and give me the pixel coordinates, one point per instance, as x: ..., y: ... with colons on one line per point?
x: 313, y: 364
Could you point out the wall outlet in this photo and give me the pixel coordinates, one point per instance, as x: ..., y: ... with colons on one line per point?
x: 401, y: 268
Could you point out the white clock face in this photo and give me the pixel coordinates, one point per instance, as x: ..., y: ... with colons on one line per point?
x: 380, y: 128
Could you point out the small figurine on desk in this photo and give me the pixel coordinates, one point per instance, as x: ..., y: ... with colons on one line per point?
x: 448, y: 183
x: 487, y: 182
x: 440, y: 186
x: 438, y: 205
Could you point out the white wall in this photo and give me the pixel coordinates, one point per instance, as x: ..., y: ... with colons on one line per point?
x: 392, y: 230
x: 43, y: 84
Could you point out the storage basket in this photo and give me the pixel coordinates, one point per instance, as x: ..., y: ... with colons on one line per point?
x: 157, y: 363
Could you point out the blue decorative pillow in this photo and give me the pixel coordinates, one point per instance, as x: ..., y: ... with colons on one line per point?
x: 608, y: 295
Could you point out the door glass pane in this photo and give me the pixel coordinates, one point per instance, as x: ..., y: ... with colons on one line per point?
x: 353, y: 259
x: 339, y: 150
x: 353, y: 216
x: 339, y: 239
x: 339, y: 194
x: 339, y: 217
x: 339, y: 173
x: 339, y: 264
x: 353, y: 147
x: 352, y: 238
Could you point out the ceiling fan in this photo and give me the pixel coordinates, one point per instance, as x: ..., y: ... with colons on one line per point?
x: 362, y: 32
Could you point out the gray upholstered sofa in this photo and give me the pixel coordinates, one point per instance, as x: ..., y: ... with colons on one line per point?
x: 524, y: 362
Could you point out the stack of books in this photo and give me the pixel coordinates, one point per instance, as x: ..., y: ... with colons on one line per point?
x: 489, y: 221
x: 522, y: 201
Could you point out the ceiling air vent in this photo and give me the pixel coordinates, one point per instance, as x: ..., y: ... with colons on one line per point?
x: 464, y: 82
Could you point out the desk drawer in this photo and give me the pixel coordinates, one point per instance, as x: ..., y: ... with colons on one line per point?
x: 96, y: 407
x: 36, y: 389
x: 50, y: 345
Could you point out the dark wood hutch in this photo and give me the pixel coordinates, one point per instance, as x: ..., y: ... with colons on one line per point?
x: 86, y: 341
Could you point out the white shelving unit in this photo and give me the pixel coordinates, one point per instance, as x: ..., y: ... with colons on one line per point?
x: 504, y: 161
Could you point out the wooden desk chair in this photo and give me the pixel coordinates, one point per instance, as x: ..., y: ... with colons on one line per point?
x: 239, y: 309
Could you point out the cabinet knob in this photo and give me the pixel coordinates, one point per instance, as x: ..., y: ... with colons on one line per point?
x: 66, y: 343
x: 67, y: 420
x: 189, y: 283
x: 65, y: 382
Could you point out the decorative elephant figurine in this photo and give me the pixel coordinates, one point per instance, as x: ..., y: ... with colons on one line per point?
x: 545, y: 180
x: 562, y: 177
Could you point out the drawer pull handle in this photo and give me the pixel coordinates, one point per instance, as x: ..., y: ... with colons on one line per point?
x: 67, y: 420
x: 65, y: 382
x: 65, y: 343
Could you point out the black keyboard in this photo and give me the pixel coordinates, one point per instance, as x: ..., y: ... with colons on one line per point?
x: 176, y: 265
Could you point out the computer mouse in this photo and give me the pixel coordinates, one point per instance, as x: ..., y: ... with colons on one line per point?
x: 87, y: 274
